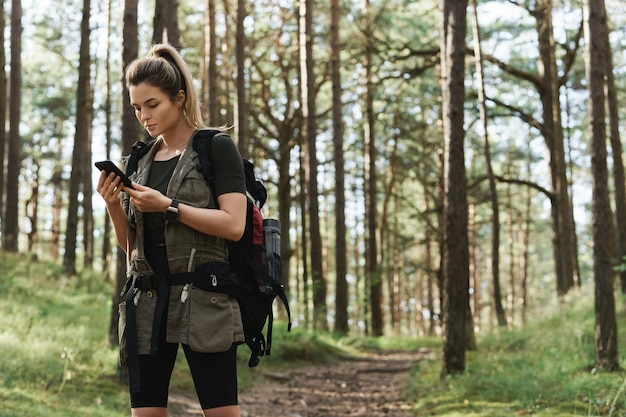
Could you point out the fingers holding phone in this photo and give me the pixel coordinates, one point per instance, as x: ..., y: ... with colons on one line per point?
x: 147, y: 199
x: 109, y: 187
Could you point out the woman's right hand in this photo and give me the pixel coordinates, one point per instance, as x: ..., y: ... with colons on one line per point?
x: 109, y: 187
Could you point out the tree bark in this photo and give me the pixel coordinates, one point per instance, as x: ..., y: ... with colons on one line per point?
x: 387, y: 243
x: 32, y: 210
x: 210, y: 74
x: 57, y: 205
x: 566, y: 255
x: 619, y: 178
x: 341, y: 265
x: 241, y: 127
x: 84, y: 116
x: 431, y: 237
x: 372, y: 265
x: 84, y: 110
x: 3, y: 106
x: 524, y: 239
x: 456, y: 254
x: 165, y: 23
x: 309, y: 93
x: 597, y: 66
x: 131, y: 128
x: 228, y: 107
x: 10, y: 220
x: 107, y: 247
x: 305, y: 299
x: 495, y: 209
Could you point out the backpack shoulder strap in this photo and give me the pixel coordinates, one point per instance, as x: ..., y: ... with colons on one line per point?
x: 138, y: 150
x: 202, y: 144
x: 255, y: 188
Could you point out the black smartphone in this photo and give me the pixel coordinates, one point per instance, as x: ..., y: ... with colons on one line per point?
x: 109, y: 167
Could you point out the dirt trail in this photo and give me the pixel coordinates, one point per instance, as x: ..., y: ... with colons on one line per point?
x: 371, y: 386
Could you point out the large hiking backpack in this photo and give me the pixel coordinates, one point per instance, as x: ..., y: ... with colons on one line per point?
x: 255, y: 258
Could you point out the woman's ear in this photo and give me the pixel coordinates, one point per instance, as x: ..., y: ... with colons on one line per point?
x: 180, y: 98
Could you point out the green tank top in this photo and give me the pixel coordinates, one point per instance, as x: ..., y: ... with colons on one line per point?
x: 154, y: 223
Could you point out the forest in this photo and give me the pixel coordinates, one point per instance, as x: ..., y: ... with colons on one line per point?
x: 438, y: 168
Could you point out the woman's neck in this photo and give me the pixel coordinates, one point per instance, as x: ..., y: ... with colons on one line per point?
x: 174, y: 143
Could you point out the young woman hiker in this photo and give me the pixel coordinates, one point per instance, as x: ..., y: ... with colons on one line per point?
x: 170, y: 223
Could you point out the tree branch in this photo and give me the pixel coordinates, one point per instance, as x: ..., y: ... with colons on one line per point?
x: 517, y: 181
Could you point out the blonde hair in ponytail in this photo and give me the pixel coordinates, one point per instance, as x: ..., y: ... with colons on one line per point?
x: 164, y: 68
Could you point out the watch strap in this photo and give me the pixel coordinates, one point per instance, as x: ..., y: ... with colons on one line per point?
x: 171, y: 214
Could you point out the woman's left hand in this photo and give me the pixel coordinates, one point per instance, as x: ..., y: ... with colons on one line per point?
x: 147, y: 200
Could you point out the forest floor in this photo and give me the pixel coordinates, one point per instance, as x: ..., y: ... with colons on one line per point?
x: 371, y: 386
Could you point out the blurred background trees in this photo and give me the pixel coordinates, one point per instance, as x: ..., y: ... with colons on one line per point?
x: 368, y: 155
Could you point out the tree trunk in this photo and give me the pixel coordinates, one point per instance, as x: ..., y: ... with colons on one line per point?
x: 309, y: 114
x: 241, y: 126
x: 495, y: 209
x: 397, y: 281
x: 566, y: 258
x: 439, y: 204
x: 456, y: 255
x: 210, y: 74
x: 430, y: 277
x: 524, y: 239
x: 285, y: 201
x: 473, y: 259
x: 619, y: 179
x: 82, y: 136
x: 131, y: 128
x: 386, y: 241
x: 510, y: 223
x: 372, y: 267
x: 32, y: 210
x: 57, y: 206
x: 159, y: 22
x: 305, y: 300
x: 341, y: 264
x: 10, y: 223
x: 84, y: 117
x: 107, y: 248
x: 227, y: 67
x: 3, y: 106
x: 597, y: 66
x: 165, y: 23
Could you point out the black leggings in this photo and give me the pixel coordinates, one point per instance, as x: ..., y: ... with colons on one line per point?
x: 214, y: 374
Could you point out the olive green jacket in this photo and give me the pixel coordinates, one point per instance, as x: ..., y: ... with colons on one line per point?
x: 207, y: 321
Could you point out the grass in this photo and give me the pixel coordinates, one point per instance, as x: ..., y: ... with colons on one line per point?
x: 544, y: 369
x: 54, y: 355
x: 55, y: 358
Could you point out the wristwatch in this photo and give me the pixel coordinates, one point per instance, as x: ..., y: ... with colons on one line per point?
x: 171, y: 214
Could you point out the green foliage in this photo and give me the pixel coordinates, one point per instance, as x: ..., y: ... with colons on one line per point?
x: 391, y: 343
x: 542, y: 370
x: 54, y: 355
x: 305, y: 346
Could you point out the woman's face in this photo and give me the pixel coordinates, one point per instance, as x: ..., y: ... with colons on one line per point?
x: 154, y: 109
